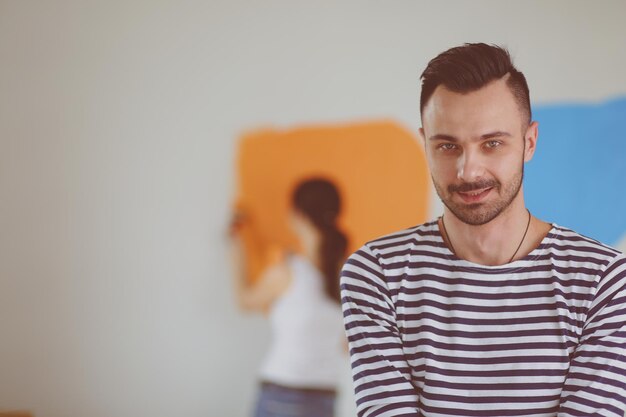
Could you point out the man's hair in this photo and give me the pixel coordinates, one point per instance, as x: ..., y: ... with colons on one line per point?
x: 467, y: 68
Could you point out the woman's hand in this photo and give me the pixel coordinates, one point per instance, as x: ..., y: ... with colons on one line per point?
x: 260, y: 293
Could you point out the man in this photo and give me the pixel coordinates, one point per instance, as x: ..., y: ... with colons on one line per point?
x: 487, y: 311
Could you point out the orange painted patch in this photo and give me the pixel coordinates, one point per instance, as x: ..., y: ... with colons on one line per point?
x: 379, y: 169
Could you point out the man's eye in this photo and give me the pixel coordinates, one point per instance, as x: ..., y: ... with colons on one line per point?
x: 447, y: 146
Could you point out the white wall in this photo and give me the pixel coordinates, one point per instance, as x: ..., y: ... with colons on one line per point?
x: 118, y: 123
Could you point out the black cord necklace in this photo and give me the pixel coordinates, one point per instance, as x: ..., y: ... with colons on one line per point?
x: 443, y: 223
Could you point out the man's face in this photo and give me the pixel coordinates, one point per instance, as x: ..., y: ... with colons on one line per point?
x: 476, y: 145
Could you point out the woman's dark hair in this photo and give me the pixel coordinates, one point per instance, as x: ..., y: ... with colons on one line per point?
x: 470, y: 67
x: 319, y: 201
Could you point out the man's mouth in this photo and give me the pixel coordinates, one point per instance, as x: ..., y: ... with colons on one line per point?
x: 475, y: 196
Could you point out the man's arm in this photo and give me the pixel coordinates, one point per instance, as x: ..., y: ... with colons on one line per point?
x: 382, y: 378
x: 596, y: 380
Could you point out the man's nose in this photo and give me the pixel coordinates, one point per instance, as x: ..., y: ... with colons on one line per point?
x: 470, y: 166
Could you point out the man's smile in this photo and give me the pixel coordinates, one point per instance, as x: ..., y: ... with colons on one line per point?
x: 474, y: 196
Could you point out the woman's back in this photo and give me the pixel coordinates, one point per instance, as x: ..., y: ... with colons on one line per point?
x: 307, y: 332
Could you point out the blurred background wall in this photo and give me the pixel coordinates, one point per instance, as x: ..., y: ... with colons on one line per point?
x: 118, y: 128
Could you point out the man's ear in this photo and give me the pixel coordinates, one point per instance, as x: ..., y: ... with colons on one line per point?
x: 530, y: 141
x: 422, y: 136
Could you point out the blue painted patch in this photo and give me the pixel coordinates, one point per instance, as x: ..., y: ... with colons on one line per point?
x: 577, y: 177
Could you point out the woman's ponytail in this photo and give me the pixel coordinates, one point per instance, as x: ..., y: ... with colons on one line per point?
x: 318, y: 199
x: 332, y: 254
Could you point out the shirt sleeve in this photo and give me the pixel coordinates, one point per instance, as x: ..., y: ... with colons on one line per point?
x: 596, y: 380
x: 381, y: 374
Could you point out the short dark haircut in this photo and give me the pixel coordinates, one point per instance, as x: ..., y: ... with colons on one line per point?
x: 469, y: 67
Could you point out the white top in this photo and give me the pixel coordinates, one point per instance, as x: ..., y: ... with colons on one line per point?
x: 307, y: 332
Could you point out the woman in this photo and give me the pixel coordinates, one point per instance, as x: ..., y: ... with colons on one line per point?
x: 299, y: 375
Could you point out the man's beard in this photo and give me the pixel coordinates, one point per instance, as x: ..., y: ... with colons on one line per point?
x: 481, y: 213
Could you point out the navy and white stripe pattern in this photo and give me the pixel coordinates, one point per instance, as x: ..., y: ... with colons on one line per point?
x: 433, y: 335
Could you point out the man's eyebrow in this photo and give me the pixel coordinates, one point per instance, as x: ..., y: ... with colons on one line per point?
x: 486, y: 136
x: 497, y: 134
x: 441, y: 136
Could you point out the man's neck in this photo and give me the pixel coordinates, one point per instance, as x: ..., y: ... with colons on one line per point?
x: 495, y: 242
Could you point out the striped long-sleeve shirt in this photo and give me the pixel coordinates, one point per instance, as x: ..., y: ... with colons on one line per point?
x: 433, y: 335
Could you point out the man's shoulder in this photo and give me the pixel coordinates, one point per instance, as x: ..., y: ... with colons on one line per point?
x: 576, y: 253
x: 381, y: 253
x: 573, y: 241
x: 422, y: 234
